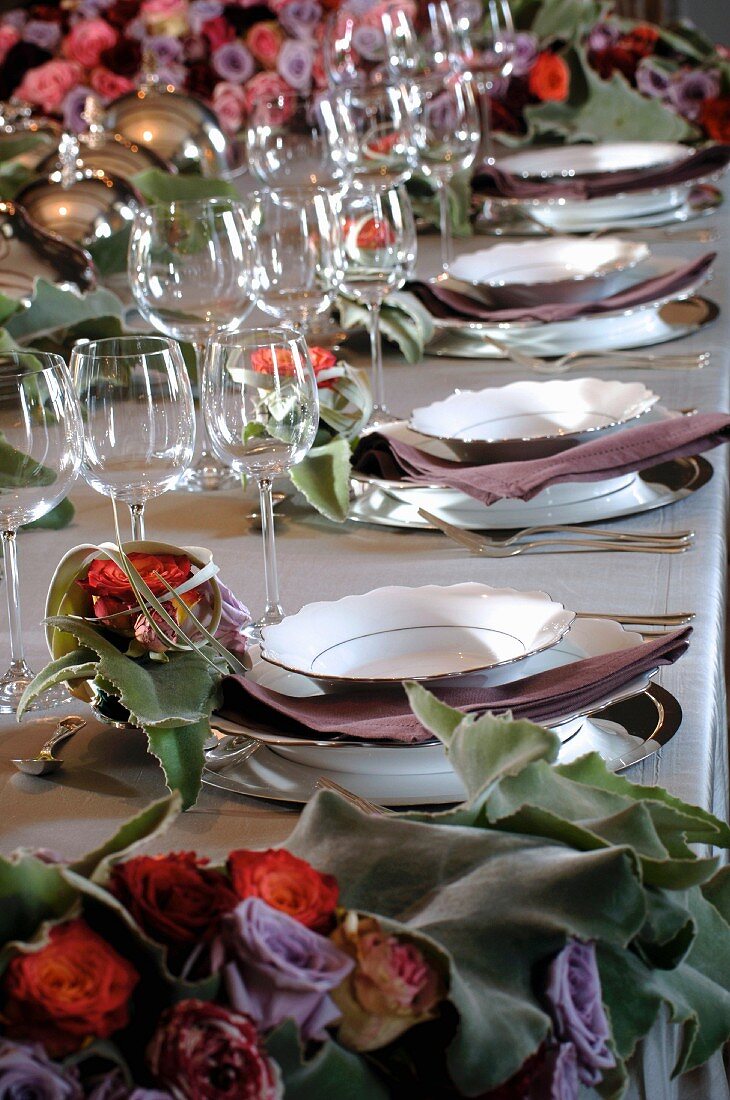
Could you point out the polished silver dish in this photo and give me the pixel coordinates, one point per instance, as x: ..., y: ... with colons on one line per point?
x: 28, y: 252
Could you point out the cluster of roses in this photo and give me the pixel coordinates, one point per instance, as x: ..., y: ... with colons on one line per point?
x: 115, y: 603
x: 230, y: 54
x: 638, y: 54
x: 269, y: 927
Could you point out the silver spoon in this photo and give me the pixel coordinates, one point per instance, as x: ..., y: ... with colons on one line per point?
x: 45, y: 762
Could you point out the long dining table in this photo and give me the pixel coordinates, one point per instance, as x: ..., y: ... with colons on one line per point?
x: 108, y: 774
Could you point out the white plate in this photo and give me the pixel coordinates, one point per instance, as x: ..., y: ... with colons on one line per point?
x: 522, y: 411
x: 561, y: 269
x: 425, y: 633
x: 583, y: 160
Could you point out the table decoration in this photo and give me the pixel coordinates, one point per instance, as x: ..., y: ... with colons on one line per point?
x: 28, y: 252
x: 587, y: 880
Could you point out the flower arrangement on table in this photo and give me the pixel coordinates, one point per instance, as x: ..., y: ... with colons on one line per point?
x: 516, y: 947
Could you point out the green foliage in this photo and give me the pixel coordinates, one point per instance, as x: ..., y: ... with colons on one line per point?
x: 403, y: 320
x: 324, y: 478
x: 157, y: 186
x: 56, y: 519
x: 330, y: 1070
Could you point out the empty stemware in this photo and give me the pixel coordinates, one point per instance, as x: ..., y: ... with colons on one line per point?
x: 378, y: 255
x: 191, y: 272
x: 490, y: 45
x: 380, y: 119
x: 40, y: 447
x: 139, y: 418
x: 261, y: 408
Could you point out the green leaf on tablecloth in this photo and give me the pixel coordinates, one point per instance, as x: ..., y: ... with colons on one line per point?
x: 157, y: 186
x: 77, y: 664
x: 403, y: 320
x: 31, y: 891
x: 54, y: 311
x: 495, y: 904
x: 110, y: 253
x: 180, y: 752
x: 332, y: 1070
x: 151, y: 822
x: 56, y: 519
x: 18, y: 469
x: 425, y: 202
x: 345, y: 405
x: 8, y: 306
x: 324, y: 479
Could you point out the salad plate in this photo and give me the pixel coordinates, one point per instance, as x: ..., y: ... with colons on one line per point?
x: 561, y: 269
x: 396, y: 633
x: 569, y: 161
x: 623, y: 734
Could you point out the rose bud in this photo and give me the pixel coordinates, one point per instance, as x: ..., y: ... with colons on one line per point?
x: 287, y: 883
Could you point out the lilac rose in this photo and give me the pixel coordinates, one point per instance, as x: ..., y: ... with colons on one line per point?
x: 234, y: 617
x: 651, y: 79
x: 112, y: 1087
x: 27, y: 1072
x: 73, y: 107
x: 603, y: 36
x: 558, y: 1076
x: 233, y: 62
x: 689, y: 90
x: 166, y: 49
x: 300, y: 18
x: 294, y: 63
x: 574, y: 994
x: 200, y: 11
x: 16, y: 17
x: 524, y: 52
x: 42, y: 33
x: 278, y: 969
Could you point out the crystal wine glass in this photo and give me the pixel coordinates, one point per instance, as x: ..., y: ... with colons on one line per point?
x: 41, y: 447
x: 438, y: 47
x: 447, y: 137
x: 298, y: 259
x: 191, y: 271
x: 354, y: 51
x: 490, y: 47
x: 296, y: 140
x: 261, y: 407
x: 378, y: 255
x: 139, y: 418
x: 380, y: 118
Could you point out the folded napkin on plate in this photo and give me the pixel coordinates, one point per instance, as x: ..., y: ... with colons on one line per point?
x: 610, y: 455
x: 443, y: 303
x: 382, y: 713
x: 492, y: 181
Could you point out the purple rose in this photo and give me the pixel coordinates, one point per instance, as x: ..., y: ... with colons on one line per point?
x: 73, y: 107
x: 43, y: 34
x: 524, y: 52
x: 136, y: 28
x: 113, y: 1087
x: 651, y: 79
x: 278, y: 969
x: 200, y: 11
x: 26, y: 1071
x: 688, y: 91
x: 574, y: 993
x: 300, y: 18
x: 16, y: 17
x: 558, y: 1075
x: 166, y: 49
x: 603, y: 36
x: 234, y: 617
x: 369, y: 42
x: 294, y: 63
x: 172, y: 74
x: 233, y: 62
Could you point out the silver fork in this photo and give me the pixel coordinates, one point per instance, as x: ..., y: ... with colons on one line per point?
x: 703, y: 236
x: 479, y: 544
x: 241, y: 748
x: 586, y: 532
x: 626, y: 359
x: 324, y: 783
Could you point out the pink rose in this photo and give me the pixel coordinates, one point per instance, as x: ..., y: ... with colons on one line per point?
x: 264, y: 42
x: 110, y: 85
x: 46, y: 86
x: 319, y: 72
x: 169, y: 17
x: 218, y: 31
x: 8, y: 37
x: 266, y: 87
x: 229, y: 103
x: 87, y: 41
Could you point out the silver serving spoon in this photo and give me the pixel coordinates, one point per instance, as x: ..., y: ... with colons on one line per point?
x: 45, y: 762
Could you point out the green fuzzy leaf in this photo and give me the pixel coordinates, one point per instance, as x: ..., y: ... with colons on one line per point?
x: 564, y: 19
x: 78, y: 664
x: 157, y: 186
x: 180, y: 752
x: 147, y: 825
x: 403, y: 320
x: 31, y: 892
x: 54, y: 311
x: 56, y: 519
x: 426, y: 205
x: 668, y: 932
x: 689, y: 40
x: 324, y: 479
x: 331, y: 1071
x: 110, y: 253
x: 18, y: 144
x: 8, y: 306
x: 18, y: 469
x: 717, y: 892
x: 13, y: 176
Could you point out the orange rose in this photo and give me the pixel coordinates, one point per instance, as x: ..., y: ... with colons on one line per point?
x: 640, y: 41
x: 262, y: 360
x: 715, y: 118
x: 286, y: 883
x: 264, y: 41
x: 75, y: 989
x: 105, y: 578
x: 549, y: 78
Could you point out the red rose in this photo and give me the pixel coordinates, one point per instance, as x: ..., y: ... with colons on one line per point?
x: 368, y: 232
x: 715, y: 118
x: 110, y: 85
x: 75, y: 989
x: 175, y: 899
x: 549, y: 78
x: 262, y: 360
x: 605, y: 62
x: 105, y: 578
x: 218, y: 31
x: 202, y: 1051
x: 503, y: 119
x: 639, y: 41
x: 286, y: 883
x: 121, y: 13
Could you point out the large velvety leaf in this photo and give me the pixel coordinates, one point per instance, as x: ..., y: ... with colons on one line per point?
x: 497, y: 904
x: 31, y: 891
x: 332, y: 1071
x: 53, y: 311
x: 180, y: 752
x: 157, y: 186
x: 564, y: 19
x: 76, y: 664
x: 324, y: 478
x: 110, y: 253
x: 149, y: 823
x: 58, y: 517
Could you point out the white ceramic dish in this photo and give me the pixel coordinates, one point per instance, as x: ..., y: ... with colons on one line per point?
x: 534, y: 410
x: 426, y: 633
x: 561, y: 269
x: 569, y: 161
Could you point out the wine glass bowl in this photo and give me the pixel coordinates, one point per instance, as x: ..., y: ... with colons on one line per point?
x: 41, y: 447
x: 297, y: 140
x: 139, y: 419
x: 380, y: 119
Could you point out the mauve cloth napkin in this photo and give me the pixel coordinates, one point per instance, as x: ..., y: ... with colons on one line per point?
x: 444, y: 303
x: 491, y: 181
x: 610, y: 455
x: 382, y: 713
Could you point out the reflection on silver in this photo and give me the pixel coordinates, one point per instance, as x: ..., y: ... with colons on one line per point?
x: 27, y: 252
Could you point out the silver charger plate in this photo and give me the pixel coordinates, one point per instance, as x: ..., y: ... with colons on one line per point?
x: 624, y: 734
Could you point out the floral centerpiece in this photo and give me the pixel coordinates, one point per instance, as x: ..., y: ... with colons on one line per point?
x: 515, y: 948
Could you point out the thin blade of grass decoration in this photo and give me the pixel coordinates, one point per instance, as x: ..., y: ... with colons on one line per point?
x: 211, y: 639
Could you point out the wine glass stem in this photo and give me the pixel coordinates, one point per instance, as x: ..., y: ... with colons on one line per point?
x: 274, y: 610
x: 199, y: 362
x: 447, y: 253
x: 376, y: 358
x: 12, y: 586
x: 137, y: 513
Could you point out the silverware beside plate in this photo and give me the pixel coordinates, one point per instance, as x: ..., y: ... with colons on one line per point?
x: 45, y: 762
